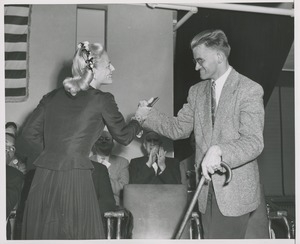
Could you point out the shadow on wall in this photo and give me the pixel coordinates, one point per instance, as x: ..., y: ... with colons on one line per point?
x: 66, y: 71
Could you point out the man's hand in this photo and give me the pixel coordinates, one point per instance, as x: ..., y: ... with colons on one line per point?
x: 142, y: 111
x: 161, y: 158
x: 19, y: 165
x: 152, y: 156
x: 211, y: 161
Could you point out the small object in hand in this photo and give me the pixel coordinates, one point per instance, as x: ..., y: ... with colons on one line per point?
x: 139, y: 135
x: 150, y: 104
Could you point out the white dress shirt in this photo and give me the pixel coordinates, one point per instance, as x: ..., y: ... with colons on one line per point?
x: 155, y: 167
x: 103, y: 160
x: 220, y: 83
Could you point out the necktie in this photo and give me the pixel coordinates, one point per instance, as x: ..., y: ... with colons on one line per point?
x: 213, y: 101
x: 158, y: 169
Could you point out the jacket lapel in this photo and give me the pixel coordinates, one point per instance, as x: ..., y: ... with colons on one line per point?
x: 204, y: 113
x: 226, y: 97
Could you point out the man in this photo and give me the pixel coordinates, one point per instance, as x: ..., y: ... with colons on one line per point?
x: 155, y: 168
x: 103, y: 188
x: 14, y: 177
x: 117, y: 166
x: 11, y: 159
x: 226, y: 113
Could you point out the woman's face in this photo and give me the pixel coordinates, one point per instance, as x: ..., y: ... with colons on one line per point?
x: 103, y: 70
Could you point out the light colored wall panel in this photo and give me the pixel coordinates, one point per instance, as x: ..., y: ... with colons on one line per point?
x: 139, y: 43
x: 90, y: 25
x: 51, y: 47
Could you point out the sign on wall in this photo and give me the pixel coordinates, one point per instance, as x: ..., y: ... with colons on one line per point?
x: 16, y: 27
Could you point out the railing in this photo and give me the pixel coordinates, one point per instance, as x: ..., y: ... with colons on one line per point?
x: 276, y: 213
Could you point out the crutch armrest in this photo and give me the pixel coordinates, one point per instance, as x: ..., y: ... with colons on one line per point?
x: 278, y: 214
x: 195, y: 215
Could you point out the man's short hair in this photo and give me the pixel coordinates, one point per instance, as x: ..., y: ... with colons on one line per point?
x: 152, y: 135
x: 215, y: 39
x: 11, y: 129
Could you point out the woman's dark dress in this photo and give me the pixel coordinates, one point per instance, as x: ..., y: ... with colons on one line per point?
x: 62, y: 202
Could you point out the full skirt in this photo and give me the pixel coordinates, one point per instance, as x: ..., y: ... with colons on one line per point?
x: 62, y: 205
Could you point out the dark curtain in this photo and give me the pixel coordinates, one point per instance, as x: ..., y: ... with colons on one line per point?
x: 259, y: 44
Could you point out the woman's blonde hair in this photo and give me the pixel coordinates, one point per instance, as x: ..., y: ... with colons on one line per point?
x: 85, y: 58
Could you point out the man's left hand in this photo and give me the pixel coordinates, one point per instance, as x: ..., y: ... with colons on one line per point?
x: 211, y: 161
x: 142, y: 111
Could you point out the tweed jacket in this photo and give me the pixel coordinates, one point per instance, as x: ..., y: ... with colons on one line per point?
x: 238, y: 131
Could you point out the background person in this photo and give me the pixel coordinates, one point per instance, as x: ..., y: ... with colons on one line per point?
x: 117, y: 166
x: 154, y: 167
x: 62, y: 203
x: 11, y: 158
x: 226, y: 113
x: 103, y: 188
x: 14, y: 177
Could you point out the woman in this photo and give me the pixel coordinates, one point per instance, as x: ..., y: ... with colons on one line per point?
x: 62, y: 202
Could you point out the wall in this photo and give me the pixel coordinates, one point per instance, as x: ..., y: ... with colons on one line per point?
x: 277, y: 161
x: 90, y: 25
x: 51, y: 44
x: 139, y: 43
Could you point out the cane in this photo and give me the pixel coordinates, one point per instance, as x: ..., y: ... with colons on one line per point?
x: 195, y: 197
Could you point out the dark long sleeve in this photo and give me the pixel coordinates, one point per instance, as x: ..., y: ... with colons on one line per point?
x: 103, y: 188
x: 171, y: 175
x: 33, y: 130
x: 140, y: 173
x: 30, y: 142
x: 120, y: 131
x: 14, y: 184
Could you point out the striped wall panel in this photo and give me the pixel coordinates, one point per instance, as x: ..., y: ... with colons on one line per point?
x: 16, y: 30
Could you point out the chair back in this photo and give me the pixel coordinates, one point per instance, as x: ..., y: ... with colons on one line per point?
x: 156, y: 209
x: 11, y: 224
